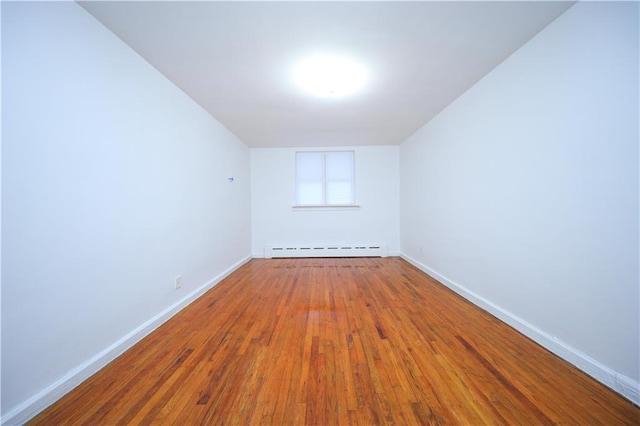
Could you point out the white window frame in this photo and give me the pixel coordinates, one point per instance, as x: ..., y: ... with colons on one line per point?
x: 326, y: 206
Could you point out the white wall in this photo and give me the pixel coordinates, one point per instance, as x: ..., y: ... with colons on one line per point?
x: 523, y: 194
x: 113, y: 183
x: 273, y: 195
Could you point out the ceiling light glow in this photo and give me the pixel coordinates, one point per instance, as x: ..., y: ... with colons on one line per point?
x: 330, y: 76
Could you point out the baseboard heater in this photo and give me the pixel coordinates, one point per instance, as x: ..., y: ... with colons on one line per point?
x: 321, y: 250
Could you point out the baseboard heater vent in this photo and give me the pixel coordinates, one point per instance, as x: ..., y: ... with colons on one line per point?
x: 319, y: 250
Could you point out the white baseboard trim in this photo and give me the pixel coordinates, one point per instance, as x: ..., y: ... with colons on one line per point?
x: 620, y: 383
x: 38, y: 402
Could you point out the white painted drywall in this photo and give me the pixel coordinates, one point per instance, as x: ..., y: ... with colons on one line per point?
x: 113, y: 183
x: 275, y: 222
x: 524, y: 191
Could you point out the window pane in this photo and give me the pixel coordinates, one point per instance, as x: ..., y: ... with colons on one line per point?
x: 309, y: 178
x: 339, y: 192
x: 339, y: 177
x: 339, y: 165
x: 309, y: 193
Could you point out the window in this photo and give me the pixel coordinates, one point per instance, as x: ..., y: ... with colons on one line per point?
x: 325, y: 178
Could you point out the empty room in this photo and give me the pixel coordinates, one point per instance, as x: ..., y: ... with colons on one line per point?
x: 320, y: 213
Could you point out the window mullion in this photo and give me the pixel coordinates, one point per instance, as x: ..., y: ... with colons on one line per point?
x: 324, y: 178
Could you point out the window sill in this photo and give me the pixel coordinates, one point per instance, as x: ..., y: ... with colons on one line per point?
x: 323, y: 207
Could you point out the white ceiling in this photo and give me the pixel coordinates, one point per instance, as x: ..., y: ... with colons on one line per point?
x: 236, y: 59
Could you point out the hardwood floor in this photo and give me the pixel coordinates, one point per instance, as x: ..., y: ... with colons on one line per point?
x: 333, y: 342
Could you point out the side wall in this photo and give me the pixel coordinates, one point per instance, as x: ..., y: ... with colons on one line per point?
x: 522, y: 195
x: 114, y: 182
x: 274, y: 221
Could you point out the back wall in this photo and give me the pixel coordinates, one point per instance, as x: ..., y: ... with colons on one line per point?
x: 274, y: 221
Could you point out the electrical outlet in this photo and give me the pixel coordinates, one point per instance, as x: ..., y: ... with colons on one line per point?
x: 178, y: 282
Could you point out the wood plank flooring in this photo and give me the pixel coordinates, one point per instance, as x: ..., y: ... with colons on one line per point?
x: 336, y: 342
